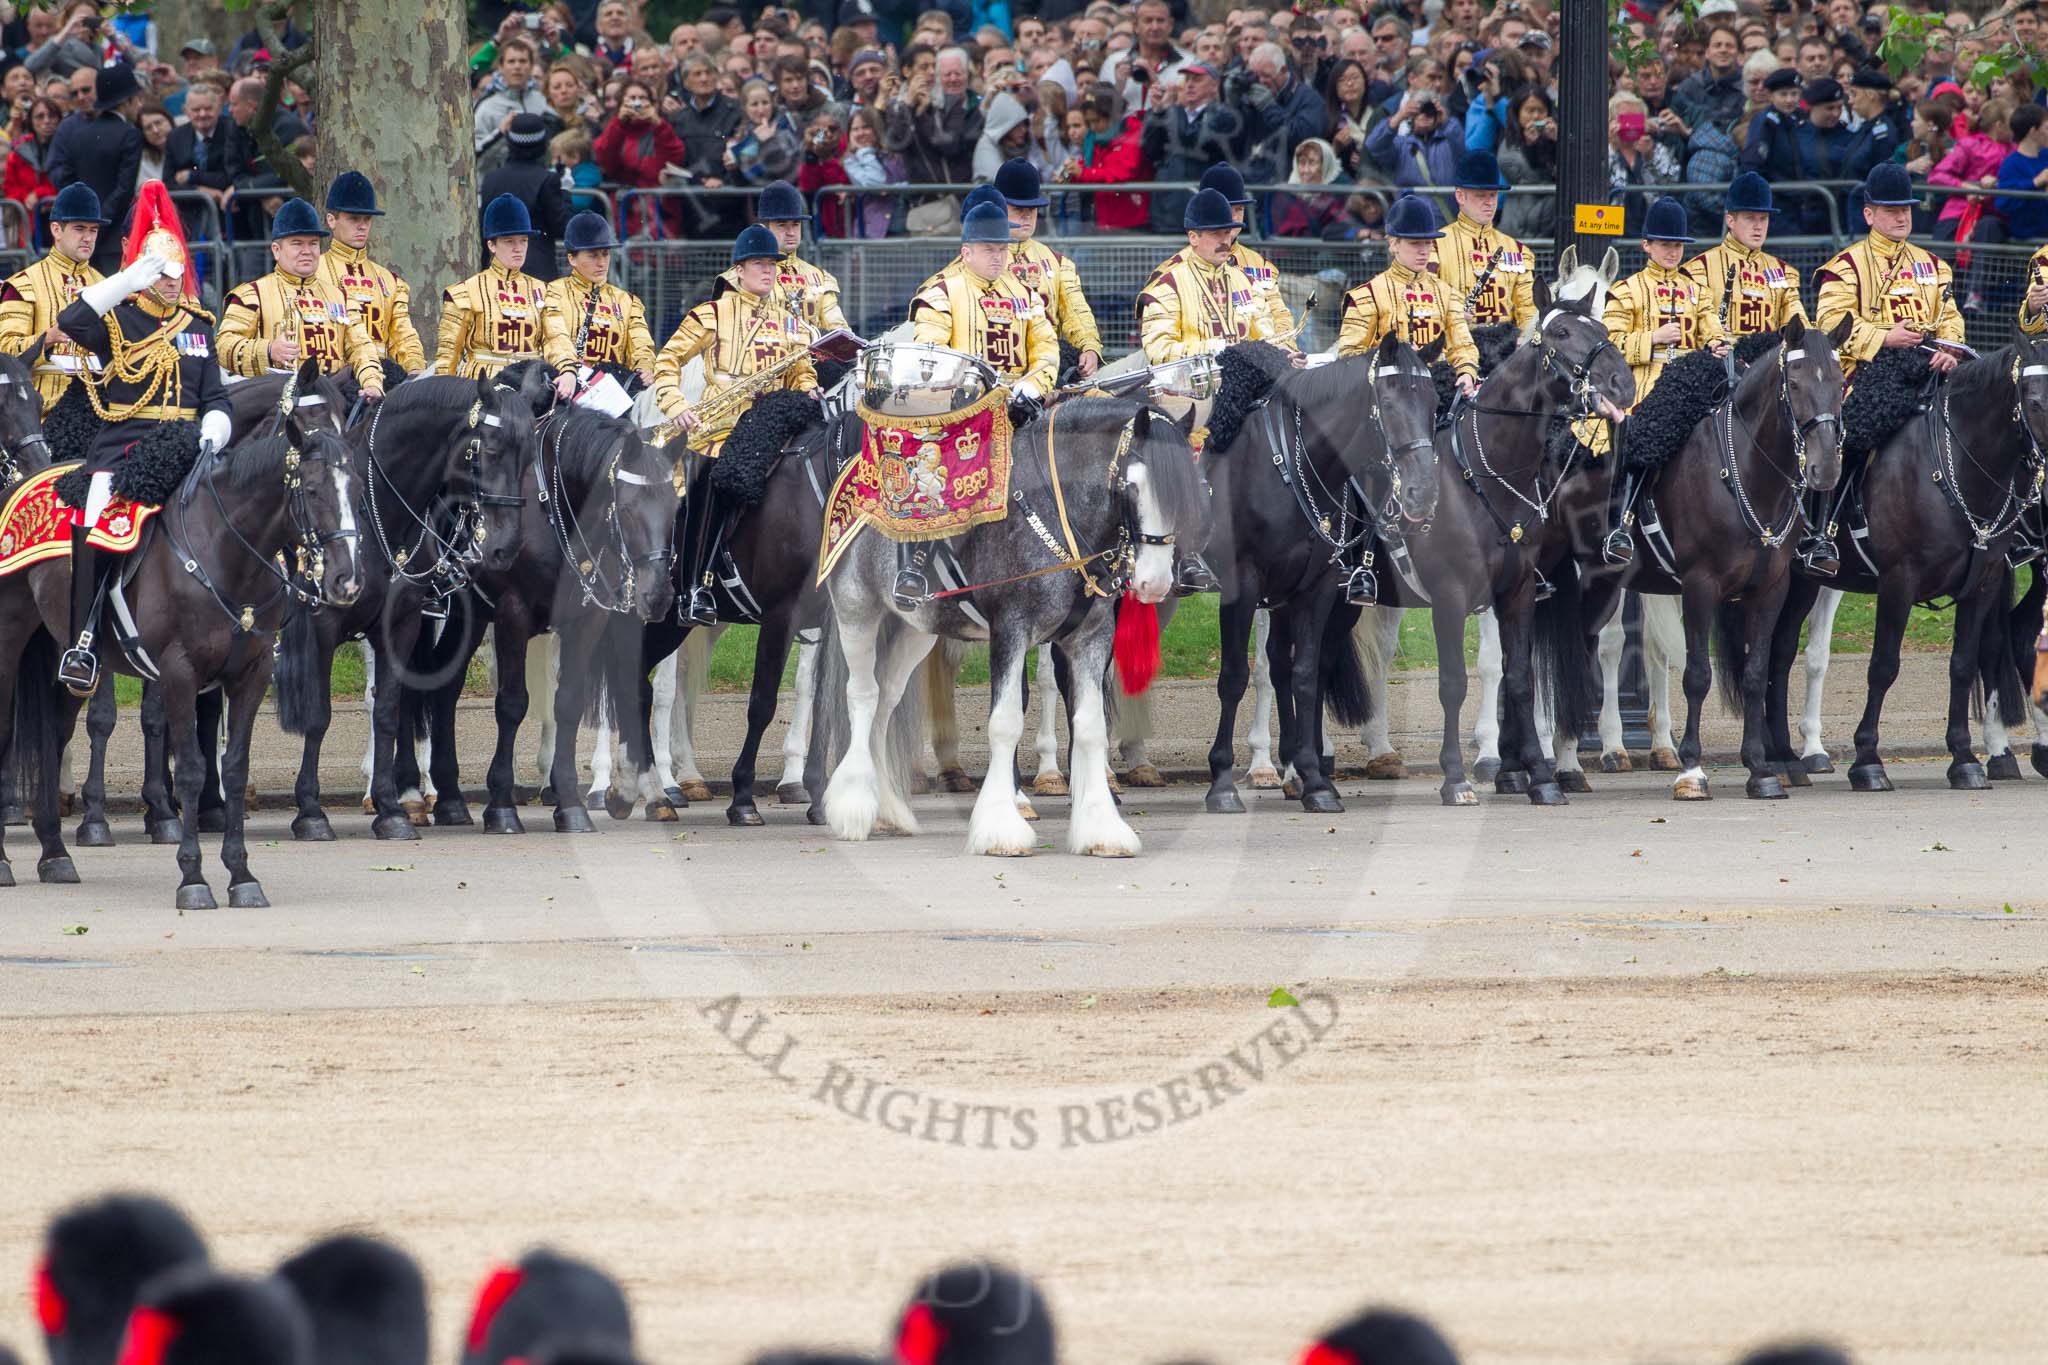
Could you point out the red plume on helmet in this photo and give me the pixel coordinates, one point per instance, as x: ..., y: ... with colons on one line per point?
x: 156, y: 218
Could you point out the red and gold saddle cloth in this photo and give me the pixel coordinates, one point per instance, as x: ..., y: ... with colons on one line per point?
x: 36, y: 526
x: 923, y: 478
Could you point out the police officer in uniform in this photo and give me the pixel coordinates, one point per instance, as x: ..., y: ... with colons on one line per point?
x: 1654, y: 316
x: 976, y: 305
x: 500, y: 315
x: 32, y: 299
x: 739, y: 333
x: 1882, y: 129
x: 292, y: 314
x: 154, y: 344
x: 374, y: 293
x: 1042, y: 270
x: 606, y: 326
x: 1474, y: 255
x: 1749, y: 289
x: 1896, y: 295
x: 1200, y: 300
x: 802, y: 288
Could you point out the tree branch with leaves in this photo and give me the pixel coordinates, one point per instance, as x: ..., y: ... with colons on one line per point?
x: 285, y: 62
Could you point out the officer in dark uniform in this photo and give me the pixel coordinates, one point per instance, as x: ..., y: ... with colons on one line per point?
x: 1823, y: 142
x: 527, y: 177
x: 1883, y: 127
x: 154, y: 344
x: 1772, y: 149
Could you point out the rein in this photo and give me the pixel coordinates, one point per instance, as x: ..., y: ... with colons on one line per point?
x: 589, y: 565
x: 448, y: 574
x: 1941, y: 452
x: 10, y: 455
x: 1731, y: 469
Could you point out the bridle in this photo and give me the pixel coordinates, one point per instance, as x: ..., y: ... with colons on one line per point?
x: 1731, y: 469
x: 11, y: 454
x: 449, y: 570
x: 1942, y: 451
x: 588, y: 563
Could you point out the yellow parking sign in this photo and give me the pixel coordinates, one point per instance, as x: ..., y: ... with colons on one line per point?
x: 1598, y: 219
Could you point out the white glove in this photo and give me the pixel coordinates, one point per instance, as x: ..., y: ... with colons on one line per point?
x: 1217, y: 346
x: 1026, y: 391
x: 146, y: 271
x: 214, y: 430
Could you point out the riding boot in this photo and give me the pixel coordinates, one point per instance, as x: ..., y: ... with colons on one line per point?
x: 79, y: 669
x: 703, y: 607
x: 1620, y: 546
x: 911, y: 591
x: 1195, y: 577
x: 1817, y: 549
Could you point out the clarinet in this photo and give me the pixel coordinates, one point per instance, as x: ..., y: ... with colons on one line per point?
x: 1727, y: 302
x: 583, y: 328
x: 1479, y: 285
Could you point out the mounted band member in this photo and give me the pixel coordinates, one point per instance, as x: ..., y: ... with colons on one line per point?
x: 269, y: 325
x: 1749, y: 289
x: 1654, y: 316
x: 154, y: 344
x: 500, y: 315
x: 1042, y: 270
x: 1223, y: 178
x: 2033, y: 303
x: 375, y: 295
x: 1492, y: 272
x: 606, y: 326
x: 800, y: 287
x: 1199, y: 300
x: 1895, y: 294
x: 741, y: 333
x: 32, y: 299
x: 1407, y: 300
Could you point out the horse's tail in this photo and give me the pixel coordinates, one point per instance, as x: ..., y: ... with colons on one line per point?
x: 1562, y: 660
x: 829, y: 720
x: 301, y: 694
x: 1730, y: 654
x: 439, y: 659
x: 37, y: 743
x: 1345, y: 695
x: 2009, y: 633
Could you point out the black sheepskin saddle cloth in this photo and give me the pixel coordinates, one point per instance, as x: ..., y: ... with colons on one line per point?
x: 764, y: 431
x: 71, y: 426
x: 1884, y: 395
x: 148, y: 473
x: 1690, y: 388
x: 1248, y: 372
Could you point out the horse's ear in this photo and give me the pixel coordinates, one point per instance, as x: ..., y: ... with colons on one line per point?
x: 1386, y: 353
x: 309, y: 374
x: 1794, y: 331
x: 1544, y: 298
x: 1610, y: 266
x: 1568, y: 261
x: 1840, y: 336
x: 483, y: 389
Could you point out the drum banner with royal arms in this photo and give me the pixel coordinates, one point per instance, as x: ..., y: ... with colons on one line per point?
x: 922, y: 478
x: 36, y: 525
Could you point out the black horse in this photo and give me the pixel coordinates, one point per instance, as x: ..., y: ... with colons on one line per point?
x: 596, y: 541
x: 208, y: 596
x: 1341, y: 448
x: 442, y: 460
x: 1932, y: 515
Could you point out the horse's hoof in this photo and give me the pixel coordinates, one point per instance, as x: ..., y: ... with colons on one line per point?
x: 395, y: 828
x: 1967, y: 777
x: 1765, y: 788
x: 1512, y: 782
x: 1116, y: 788
x: 1485, y: 770
x: 1049, y: 784
x: 1547, y: 794
x: 197, y: 896
x: 1616, y: 762
x: 573, y: 820
x: 1821, y: 763
x: 1027, y: 810
x: 449, y: 814
x: 369, y: 805
x: 1385, y: 768
x: 1322, y: 801
x: 694, y: 789
x: 418, y: 814
x: 93, y: 834
x: 1291, y: 789
x: 920, y: 782
x: 1795, y: 775
x: 1223, y: 801
x: 213, y: 821
x: 1664, y: 760
x: 746, y: 817
x: 1144, y: 775
x: 660, y: 812
x: 1689, y: 788
x: 790, y: 794
x: 58, y: 871
x: 166, y: 832
x: 617, y: 805
x: 248, y: 896
x: 547, y: 794
x: 313, y: 829
x: 1458, y: 794
x: 816, y: 814
x: 1263, y: 778
x: 6, y: 873
x: 1869, y: 777
x: 675, y: 796
x: 2003, y: 767
x: 955, y: 779
x: 502, y: 820
x: 1573, y: 780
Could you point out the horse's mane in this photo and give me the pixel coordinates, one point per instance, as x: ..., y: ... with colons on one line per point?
x: 1174, y: 478
x: 1980, y: 385
x: 583, y: 441
x: 257, y: 461
x: 447, y: 391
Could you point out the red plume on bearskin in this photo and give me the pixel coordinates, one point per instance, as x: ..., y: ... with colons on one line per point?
x: 155, y: 213
x: 1137, y: 644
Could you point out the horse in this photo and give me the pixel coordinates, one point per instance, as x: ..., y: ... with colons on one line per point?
x: 1119, y: 481
x: 1342, y: 447
x: 1483, y: 546
x: 207, y: 599
x: 1725, y: 469
x: 442, y: 458
x: 596, y: 541
x: 1932, y: 515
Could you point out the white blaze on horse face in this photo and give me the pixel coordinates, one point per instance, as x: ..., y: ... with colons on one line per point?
x: 1152, y: 565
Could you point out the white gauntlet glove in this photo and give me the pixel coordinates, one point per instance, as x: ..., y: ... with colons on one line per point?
x: 146, y: 271
x: 1026, y: 391
x: 214, y: 430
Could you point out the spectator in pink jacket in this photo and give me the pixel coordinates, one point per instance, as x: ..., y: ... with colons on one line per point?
x: 1973, y: 161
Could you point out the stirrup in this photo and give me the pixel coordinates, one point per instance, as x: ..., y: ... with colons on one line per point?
x: 434, y: 609
x: 1818, y: 554
x: 1361, y: 588
x: 79, y: 669
x: 1619, y: 547
x: 703, y: 608
x: 1195, y: 578
x: 2022, y: 551
x: 1545, y: 589
x: 911, y: 590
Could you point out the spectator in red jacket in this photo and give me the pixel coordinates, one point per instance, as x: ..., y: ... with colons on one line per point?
x: 1113, y: 154
x: 27, y: 179
x: 824, y: 142
x: 632, y: 150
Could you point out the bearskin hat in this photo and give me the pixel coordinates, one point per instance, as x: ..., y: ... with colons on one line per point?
x: 96, y: 1259
x: 976, y: 1313
x: 1381, y: 1336
x: 365, y: 1299
x: 545, y: 1298
x: 192, y: 1315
